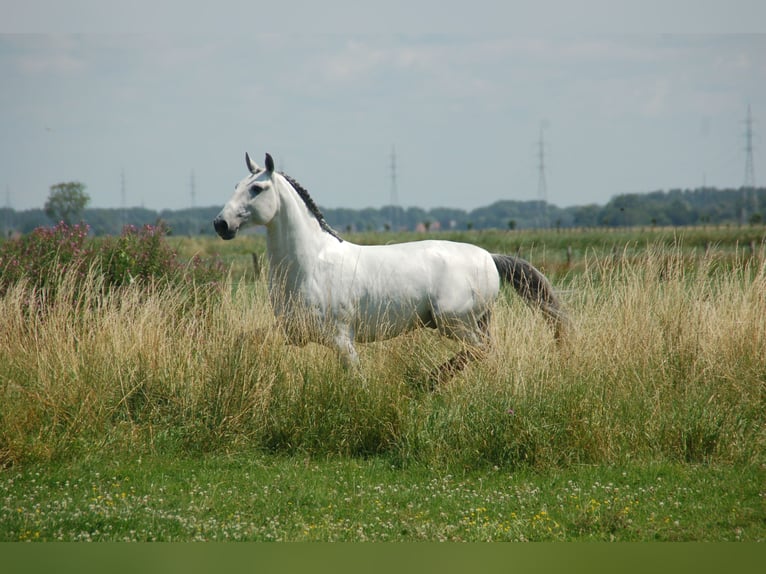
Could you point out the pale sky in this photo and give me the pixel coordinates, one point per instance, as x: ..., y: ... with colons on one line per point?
x: 622, y: 108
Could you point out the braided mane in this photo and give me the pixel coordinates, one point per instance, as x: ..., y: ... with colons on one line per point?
x: 304, y: 194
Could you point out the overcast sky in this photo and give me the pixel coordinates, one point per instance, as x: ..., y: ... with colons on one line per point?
x: 619, y: 111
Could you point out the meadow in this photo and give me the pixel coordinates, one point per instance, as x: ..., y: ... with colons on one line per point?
x: 175, y: 411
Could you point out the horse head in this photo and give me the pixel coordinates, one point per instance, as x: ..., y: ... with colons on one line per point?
x: 255, y: 200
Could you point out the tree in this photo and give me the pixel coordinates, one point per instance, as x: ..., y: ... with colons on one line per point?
x: 66, y: 202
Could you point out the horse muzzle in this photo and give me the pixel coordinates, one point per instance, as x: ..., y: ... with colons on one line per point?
x: 222, y: 228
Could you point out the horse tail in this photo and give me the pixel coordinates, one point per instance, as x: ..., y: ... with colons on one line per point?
x: 535, y: 289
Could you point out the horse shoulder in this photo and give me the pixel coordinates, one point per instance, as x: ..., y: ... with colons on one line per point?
x: 330, y: 280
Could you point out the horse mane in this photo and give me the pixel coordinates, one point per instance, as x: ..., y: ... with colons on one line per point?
x: 304, y: 194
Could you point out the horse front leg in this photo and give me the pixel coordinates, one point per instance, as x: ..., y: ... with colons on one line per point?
x: 344, y: 344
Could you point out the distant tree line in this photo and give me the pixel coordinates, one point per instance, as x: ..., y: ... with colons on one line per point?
x: 706, y: 206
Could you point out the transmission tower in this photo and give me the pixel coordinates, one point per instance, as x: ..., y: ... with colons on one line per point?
x: 7, y: 219
x: 749, y: 199
x: 542, y: 188
x: 749, y: 168
x: 193, y: 189
x: 394, y: 199
x: 123, y: 211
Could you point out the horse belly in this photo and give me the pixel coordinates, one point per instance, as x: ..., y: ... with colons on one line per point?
x: 377, y: 321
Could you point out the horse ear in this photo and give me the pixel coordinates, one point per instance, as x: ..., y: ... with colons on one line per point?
x: 269, y: 163
x: 251, y: 165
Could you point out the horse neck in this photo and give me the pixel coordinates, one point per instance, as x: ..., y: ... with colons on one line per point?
x: 293, y: 237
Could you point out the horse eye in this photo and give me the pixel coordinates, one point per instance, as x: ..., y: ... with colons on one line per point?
x: 255, y: 190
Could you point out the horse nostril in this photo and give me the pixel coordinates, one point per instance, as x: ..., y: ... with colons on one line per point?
x: 220, y: 225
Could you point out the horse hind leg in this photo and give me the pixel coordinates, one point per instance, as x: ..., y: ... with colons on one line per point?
x: 477, y: 343
x: 447, y: 370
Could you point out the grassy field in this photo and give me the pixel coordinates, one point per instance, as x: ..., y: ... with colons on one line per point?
x: 179, y: 413
x: 561, y: 253
x: 256, y: 497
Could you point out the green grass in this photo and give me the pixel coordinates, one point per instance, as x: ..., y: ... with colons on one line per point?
x: 251, y: 496
x: 177, y: 412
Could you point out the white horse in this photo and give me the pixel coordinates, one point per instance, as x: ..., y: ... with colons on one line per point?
x: 330, y: 291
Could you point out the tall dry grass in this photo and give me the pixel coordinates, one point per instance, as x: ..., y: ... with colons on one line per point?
x: 667, y: 361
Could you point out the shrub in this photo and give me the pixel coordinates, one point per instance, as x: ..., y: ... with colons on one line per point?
x: 48, y: 255
x: 43, y: 255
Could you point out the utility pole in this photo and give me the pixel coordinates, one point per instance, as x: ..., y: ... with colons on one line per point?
x: 542, y: 188
x: 394, y: 198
